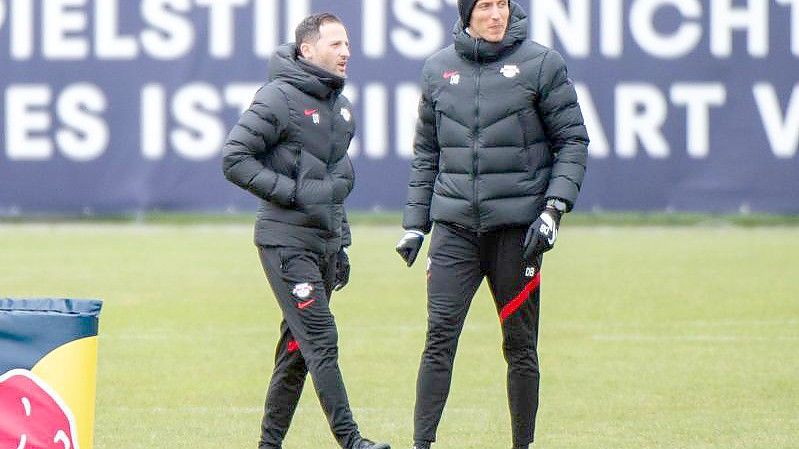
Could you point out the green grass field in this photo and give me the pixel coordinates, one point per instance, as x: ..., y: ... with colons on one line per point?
x: 652, y: 337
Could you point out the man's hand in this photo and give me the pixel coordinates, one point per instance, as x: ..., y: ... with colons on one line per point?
x: 409, y: 245
x: 342, y: 269
x: 542, y: 234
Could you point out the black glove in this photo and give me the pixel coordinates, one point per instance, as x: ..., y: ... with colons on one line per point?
x: 342, y: 269
x: 409, y: 245
x: 542, y: 234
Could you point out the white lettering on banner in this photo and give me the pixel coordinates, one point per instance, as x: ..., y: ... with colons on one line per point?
x: 612, y: 36
x: 725, y: 18
x: 167, y: 28
x: 421, y: 34
x: 202, y: 132
x: 424, y: 34
x: 265, y: 36
x: 221, y: 14
x: 373, y: 28
x: 640, y: 113
x: 406, y: 105
x: 21, y: 32
x: 85, y: 135
x: 173, y: 34
x: 573, y: 28
x: 109, y: 44
x: 794, y: 20
x: 296, y: 11
x: 2, y: 13
x: 413, y: 28
x: 60, y: 22
x: 571, y: 22
x: 267, y: 22
x: 195, y: 108
x: 598, y: 147
x: 698, y: 98
x: 190, y: 121
x: 680, y: 42
x: 782, y: 130
x: 375, y: 116
x: 153, y: 122
x: 26, y: 114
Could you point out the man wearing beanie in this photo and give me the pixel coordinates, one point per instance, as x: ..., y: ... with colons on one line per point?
x: 499, y: 156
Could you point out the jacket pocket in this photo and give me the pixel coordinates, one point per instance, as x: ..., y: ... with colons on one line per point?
x: 298, y: 265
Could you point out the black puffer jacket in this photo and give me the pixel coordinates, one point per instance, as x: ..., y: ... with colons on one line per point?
x: 499, y: 132
x: 290, y: 149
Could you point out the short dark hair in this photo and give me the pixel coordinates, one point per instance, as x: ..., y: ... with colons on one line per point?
x: 308, y: 29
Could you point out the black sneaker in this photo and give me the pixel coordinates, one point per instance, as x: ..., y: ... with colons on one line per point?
x: 364, y: 443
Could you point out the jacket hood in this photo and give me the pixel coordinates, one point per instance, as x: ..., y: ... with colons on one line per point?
x: 479, y: 50
x: 286, y: 66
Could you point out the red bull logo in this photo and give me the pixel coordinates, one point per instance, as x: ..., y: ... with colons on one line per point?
x: 33, y: 415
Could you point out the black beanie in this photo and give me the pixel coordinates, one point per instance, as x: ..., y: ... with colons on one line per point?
x: 465, y: 8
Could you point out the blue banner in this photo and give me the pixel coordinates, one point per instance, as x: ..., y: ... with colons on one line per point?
x: 118, y: 106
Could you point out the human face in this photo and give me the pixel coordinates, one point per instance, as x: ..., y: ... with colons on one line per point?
x: 489, y: 20
x: 332, y: 51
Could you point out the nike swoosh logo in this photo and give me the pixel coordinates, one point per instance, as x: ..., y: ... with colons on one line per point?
x: 304, y: 305
x: 311, y: 111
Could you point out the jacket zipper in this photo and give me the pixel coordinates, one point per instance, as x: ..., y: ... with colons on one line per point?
x: 297, y: 170
x: 332, y: 104
x: 476, y: 136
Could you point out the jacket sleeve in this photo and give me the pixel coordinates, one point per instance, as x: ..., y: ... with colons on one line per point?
x: 343, y: 182
x: 563, y: 124
x: 424, y: 166
x: 255, y: 135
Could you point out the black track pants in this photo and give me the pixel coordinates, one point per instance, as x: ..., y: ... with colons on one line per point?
x: 302, y: 281
x: 458, y: 261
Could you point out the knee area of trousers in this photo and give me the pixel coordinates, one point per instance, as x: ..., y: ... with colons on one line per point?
x: 519, y: 344
x: 441, y: 330
x: 520, y: 354
x: 524, y: 367
x: 321, y: 358
x: 439, y: 353
x: 324, y: 350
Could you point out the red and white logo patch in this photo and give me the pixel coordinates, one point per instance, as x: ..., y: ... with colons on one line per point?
x: 314, y: 114
x: 302, y: 290
x: 510, y: 70
x: 453, y: 76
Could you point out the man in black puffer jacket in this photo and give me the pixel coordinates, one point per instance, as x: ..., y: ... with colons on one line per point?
x: 500, y: 153
x: 290, y: 150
